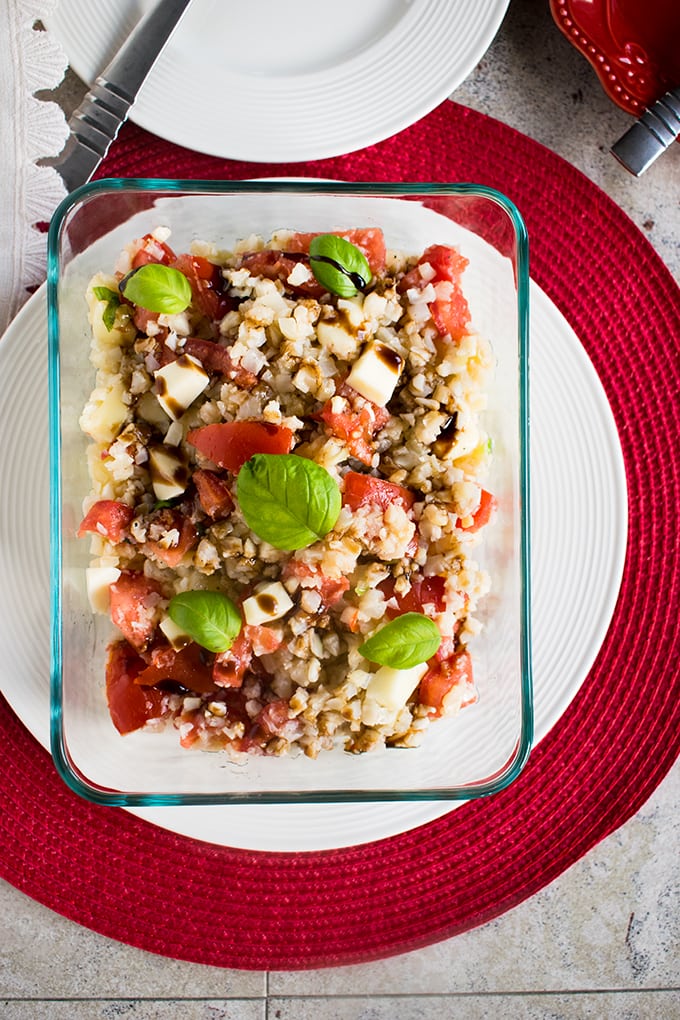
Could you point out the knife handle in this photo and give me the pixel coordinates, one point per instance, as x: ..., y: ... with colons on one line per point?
x: 648, y: 137
x: 98, y: 119
x: 93, y: 127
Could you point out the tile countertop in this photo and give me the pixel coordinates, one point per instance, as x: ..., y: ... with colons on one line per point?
x: 603, y: 940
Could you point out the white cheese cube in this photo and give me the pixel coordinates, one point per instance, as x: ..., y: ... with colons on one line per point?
x: 169, y: 474
x: 105, y: 413
x: 392, y: 688
x: 97, y: 582
x: 176, y: 636
x: 179, y: 383
x: 466, y: 439
x: 353, y: 310
x: 376, y: 373
x: 270, y: 602
x: 337, y: 339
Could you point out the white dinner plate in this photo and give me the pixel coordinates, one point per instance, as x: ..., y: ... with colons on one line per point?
x: 275, y: 82
x: 579, y: 524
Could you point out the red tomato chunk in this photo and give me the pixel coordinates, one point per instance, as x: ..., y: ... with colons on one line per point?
x: 230, y: 667
x: 450, y: 311
x: 134, y: 600
x: 108, y: 518
x: 330, y: 589
x: 365, y: 490
x: 189, y: 666
x: 152, y: 250
x: 276, y: 265
x: 181, y: 532
x: 483, y: 514
x: 356, y: 423
x: 206, y: 286
x: 130, y: 705
x: 213, y: 494
x: 426, y: 595
x: 442, y: 678
x: 231, y: 444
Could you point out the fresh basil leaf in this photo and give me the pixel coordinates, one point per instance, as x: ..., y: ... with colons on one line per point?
x: 403, y: 643
x: 287, y: 500
x: 209, y: 617
x: 105, y: 294
x: 338, y: 265
x: 112, y: 305
x: 157, y: 288
x: 109, y: 314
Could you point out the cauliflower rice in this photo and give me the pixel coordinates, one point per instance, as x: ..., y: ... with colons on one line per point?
x: 279, y: 351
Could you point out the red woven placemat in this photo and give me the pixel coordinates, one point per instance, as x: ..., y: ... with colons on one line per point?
x: 148, y: 887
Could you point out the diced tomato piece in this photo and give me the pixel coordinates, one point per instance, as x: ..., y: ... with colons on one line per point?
x: 365, y: 490
x: 206, y: 285
x: 130, y: 705
x: 274, y: 718
x: 450, y: 312
x: 230, y: 667
x: 448, y: 263
x: 330, y: 589
x: 231, y: 444
x: 353, y: 428
x: 133, y: 600
x: 109, y: 518
x: 276, y: 265
x: 357, y: 423
x: 152, y: 250
x: 369, y: 240
x: 441, y: 679
x: 263, y: 639
x: 216, y: 358
x: 171, y: 521
x: 482, y: 515
x: 426, y: 595
x: 142, y: 317
x: 213, y: 494
x: 190, y: 667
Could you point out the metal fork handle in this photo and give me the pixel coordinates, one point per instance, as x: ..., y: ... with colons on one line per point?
x: 96, y: 122
x: 657, y: 128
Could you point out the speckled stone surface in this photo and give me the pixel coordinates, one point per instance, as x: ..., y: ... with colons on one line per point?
x: 603, y: 940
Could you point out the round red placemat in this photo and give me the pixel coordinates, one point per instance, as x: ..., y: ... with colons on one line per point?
x: 118, y: 875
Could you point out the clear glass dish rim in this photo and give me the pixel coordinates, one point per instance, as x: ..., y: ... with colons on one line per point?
x: 178, y: 187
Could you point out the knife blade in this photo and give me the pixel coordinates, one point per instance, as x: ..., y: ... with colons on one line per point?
x: 93, y: 126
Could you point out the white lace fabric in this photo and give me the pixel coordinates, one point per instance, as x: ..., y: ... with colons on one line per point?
x: 30, y: 129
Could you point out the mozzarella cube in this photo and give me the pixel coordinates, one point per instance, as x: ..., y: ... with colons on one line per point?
x: 176, y: 636
x: 392, y: 688
x: 270, y: 602
x: 376, y: 373
x: 336, y: 338
x: 179, y: 383
x: 169, y: 474
x: 352, y: 309
x: 466, y: 439
x: 97, y: 582
x: 105, y: 413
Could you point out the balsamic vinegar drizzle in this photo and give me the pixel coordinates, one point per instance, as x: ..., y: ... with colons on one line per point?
x: 356, y: 278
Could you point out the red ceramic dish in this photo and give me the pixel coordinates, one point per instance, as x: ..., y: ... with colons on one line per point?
x: 634, y: 45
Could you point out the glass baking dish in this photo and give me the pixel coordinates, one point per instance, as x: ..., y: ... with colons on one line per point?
x: 484, y: 747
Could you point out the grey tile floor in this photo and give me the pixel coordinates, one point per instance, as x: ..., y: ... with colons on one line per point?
x: 603, y: 940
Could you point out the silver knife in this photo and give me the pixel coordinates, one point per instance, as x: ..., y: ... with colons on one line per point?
x: 96, y: 122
